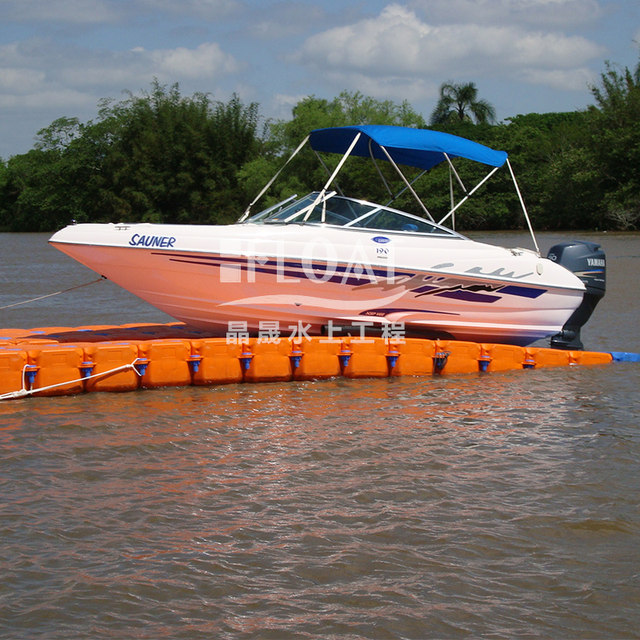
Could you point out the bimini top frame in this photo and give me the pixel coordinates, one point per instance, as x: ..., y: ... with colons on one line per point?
x: 420, y: 148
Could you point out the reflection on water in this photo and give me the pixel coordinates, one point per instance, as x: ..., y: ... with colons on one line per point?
x: 412, y: 508
x: 501, y: 505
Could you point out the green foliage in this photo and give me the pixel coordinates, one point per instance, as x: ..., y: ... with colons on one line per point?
x: 614, y: 145
x: 460, y: 103
x: 306, y: 173
x: 163, y: 157
x: 37, y: 186
x: 586, y: 169
x: 539, y: 146
x: 175, y: 159
x: 160, y: 157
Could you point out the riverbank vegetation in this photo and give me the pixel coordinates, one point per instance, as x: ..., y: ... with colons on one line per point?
x: 164, y: 157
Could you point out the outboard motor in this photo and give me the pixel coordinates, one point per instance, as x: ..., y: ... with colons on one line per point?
x: 588, y: 262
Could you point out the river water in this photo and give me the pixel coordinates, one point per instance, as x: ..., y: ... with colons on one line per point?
x: 493, y: 506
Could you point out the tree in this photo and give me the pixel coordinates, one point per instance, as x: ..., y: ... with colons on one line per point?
x: 614, y: 144
x: 617, y: 87
x: 164, y: 157
x: 553, y: 169
x: 58, y: 135
x: 34, y: 193
x: 159, y: 157
x: 459, y: 102
x: 349, y: 108
x: 174, y: 159
x: 590, y: 178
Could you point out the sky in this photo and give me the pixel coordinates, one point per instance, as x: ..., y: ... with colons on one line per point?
x: 59, y: 58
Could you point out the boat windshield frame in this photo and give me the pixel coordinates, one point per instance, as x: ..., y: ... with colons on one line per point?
x: 333, y: 210
x: 419, y: 148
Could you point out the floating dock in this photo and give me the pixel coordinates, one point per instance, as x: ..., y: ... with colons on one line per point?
x: 53, y: 361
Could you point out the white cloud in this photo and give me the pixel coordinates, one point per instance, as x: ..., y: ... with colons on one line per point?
x: 137, y: 67
x: 56, y: 98
x: 90, y: 12
x: 206, y: 61
x: 206, y: 9
x: 395, y: 87
x: 19, y: 81
x: 39, y: 73
x: 573, y: 80
x: 66, y: 11
x: 397, y: 44
x: 283, y: 104
x: 284, y: 20
x: 120, y: 71
x: 551, y: 13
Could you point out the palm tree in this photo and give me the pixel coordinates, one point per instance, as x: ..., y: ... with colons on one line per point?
x: 459, y: 102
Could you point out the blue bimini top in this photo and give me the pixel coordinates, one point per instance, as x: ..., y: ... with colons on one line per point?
x: 422, y: 148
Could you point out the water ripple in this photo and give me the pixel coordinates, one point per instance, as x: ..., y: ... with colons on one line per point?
x: 500, y: 506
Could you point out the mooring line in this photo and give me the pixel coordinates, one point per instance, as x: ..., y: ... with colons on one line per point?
x: 56, y: 293
x: 20, y: 393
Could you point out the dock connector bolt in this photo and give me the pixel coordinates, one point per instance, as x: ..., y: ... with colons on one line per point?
x: 245, y: 357
x: 30, y: 371
x: 295, y: 356
x: 86, y: 368
x: 392, y: 356
x: 194, y: 362
x: 344, y: 355
x: 440, y: 360
x: 483, y: 362
x: 140, y: 365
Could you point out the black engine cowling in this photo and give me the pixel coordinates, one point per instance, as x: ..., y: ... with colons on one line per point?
x: 587, y: 260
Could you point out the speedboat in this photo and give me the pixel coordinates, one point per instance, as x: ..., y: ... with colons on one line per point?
x: 326, y: 262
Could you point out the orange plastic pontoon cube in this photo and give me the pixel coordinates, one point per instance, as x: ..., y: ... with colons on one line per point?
x: 461, y: 357
x: 415, y: 357
x: 168, y: 363
x: 506, y: 357
x: 218, y: 363
x: 368, y: 358
x: 12, y: 362
x: 270, y: 361
x: 104, y: 358
x: 319, y: 358
x: 60, y: 366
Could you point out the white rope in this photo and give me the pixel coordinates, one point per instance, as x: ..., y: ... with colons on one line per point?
x: 56, y: 293
x: 21, y: 393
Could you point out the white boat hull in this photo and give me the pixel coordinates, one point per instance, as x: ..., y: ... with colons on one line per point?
x: 304, y: 277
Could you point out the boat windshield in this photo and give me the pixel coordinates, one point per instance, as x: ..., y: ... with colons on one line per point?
x: 346, y: 212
